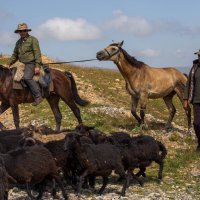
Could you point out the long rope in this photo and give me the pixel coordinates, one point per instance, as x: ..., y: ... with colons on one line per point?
x: 71, y: 61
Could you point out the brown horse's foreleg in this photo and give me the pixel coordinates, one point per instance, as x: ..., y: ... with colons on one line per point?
x: 53, y: 101
x: 172, y: 110
x: 15, y: 112
x: 3, y: 107
x: 134, y: 109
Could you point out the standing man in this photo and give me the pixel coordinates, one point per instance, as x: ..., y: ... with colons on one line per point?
x: 192, y: 95
x: 27, y: 51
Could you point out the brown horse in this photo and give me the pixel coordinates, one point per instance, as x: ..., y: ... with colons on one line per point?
x: 64, y: 88
x: 143, y: 82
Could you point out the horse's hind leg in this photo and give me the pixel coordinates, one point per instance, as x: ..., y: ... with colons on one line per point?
x: 172, y: 110
x: 53, y: 101
x: 179, y: 93
x: 74, y: 109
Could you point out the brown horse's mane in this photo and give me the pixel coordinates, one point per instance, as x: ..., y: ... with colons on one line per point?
x: 132, y: 60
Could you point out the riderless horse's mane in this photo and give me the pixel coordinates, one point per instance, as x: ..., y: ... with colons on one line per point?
x: 132, y: 60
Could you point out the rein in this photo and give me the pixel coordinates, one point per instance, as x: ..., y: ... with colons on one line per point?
x: 71, y: 61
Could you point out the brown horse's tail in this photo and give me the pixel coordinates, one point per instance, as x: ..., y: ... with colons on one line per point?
x: 76, y: 96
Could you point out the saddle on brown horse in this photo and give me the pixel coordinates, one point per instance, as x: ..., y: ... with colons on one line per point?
x: 44, y: 78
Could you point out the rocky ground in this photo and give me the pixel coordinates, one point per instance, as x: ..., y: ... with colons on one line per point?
x: 111, y: 193
x: 150, y: 191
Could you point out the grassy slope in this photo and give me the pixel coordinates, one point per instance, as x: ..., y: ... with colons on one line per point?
x: 107, y: 88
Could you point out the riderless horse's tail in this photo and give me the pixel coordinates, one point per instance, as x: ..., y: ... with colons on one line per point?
x: 76, y: 96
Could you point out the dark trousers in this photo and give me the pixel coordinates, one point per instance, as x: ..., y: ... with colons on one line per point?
x: 28, y: 78
x: 196, y: 109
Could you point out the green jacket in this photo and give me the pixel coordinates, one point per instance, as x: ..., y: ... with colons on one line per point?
x: 196, y: 92
x: 26, y: 50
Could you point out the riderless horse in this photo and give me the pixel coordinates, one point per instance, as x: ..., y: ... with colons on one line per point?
x: 143, y: 82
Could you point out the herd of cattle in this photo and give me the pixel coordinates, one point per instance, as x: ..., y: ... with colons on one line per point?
x: 77, y: 159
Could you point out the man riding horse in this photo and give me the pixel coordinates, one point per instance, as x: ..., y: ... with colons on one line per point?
x: 27, y: 51
x: 62, y: 85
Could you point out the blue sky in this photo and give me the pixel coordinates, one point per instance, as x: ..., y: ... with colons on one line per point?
x: 161, y: 33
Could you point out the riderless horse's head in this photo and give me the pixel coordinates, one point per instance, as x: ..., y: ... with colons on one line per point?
x: 111, y: 52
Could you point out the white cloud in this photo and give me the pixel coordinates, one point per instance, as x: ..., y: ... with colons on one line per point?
x: 136, y: 25
x: 150, y: 53
x: 140, y: 26
x: 68, y: 29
